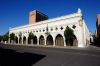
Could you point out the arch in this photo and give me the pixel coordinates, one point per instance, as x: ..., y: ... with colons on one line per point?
x: 29, y: 40
x: 20, y: 40
x: 16, y: 39
x: 34, y: 40
x: 75, y: 41
x: 49, y: 40
x: 90, y: 40
x: 59, y: 41
x: 24, y: 40
x: 41, y: 40
x: 72, y: 42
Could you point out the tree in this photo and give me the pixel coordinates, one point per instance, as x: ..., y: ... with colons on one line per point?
x: 20, y: 34
x: 6, y: 37
x: 30, y: 37
x: 69, y: 35
x: 12, y: 37
x: 47, y: 30
x: 20, y: 39
x: 1, y: 38
x: 16, y: 39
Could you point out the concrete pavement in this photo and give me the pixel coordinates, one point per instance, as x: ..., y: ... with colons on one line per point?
x: 89, y: 56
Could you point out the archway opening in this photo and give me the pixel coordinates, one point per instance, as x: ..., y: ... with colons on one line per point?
x: 24, y: 40
x: 59, y: 41
x: 75, y: 41
x: 16, y: 39
x: 49, y: 40
x: 41, y: 40
x: 34, y: 40
x: 72, y: 42
x: 29, y: 40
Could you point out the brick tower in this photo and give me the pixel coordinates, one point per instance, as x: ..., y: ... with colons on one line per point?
x: 36, y: 16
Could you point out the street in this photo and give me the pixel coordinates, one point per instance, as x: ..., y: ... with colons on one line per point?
x: 50, y: 56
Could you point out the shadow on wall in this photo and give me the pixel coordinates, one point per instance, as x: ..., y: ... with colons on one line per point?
x: 11, y: 58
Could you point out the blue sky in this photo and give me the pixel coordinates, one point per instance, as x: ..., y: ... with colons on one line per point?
x: 15, y: 13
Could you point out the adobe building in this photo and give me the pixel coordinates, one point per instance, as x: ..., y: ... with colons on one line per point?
x: 36, y: 16
x: 98, y: 25
x: 51, y: 32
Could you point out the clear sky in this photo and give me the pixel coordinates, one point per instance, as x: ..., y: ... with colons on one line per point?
x: 15, y: 13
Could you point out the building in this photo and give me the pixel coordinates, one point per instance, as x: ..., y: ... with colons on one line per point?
x: 36, y: 16
x: 51, y: 31
x: 98, y: 25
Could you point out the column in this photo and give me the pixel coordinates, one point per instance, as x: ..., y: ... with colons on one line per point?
x: 37, y: 41
x: 45, y: 41
x: 9, y: 40
x: 53, y: 42
x: 18, y: 40
x: 64, y: 42
x: 22, y: 39
x: 26, y: 40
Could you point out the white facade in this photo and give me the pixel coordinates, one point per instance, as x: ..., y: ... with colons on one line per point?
x: 56, y: 27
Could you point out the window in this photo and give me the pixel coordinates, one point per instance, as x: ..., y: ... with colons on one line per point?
x: 73, y: 26
x: 40, y: 30
x: 51, y: 29
x: 56, y: 28
x: 61, y: 28
x: 43, y: 30
x: 36, y: 30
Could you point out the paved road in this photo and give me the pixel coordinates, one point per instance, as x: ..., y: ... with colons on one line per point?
x: 89, y: 56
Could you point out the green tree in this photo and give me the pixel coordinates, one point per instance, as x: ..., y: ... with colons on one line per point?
x: 20, y: 39
x: 47, y: 30
x: 6, y: 37
x: 1, y: 38
x: 30, y: 37
x: 16, y: 39
x: 12, y: 37
x: 69, y: 35
x: 20, y: 34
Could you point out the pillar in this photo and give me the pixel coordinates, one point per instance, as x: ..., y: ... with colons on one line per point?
x: 64, y: 42
x: 22, y: 39
x: 26, y: 40
x: 18, y: 40
x: 53, y: 42
x: 45, y: 41
x: 37, y: 40
x: 9, y: 40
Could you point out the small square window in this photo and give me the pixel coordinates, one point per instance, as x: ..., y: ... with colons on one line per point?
x: 51, y: 29
x: 56, y: 28
x: 43, y: 30
x: 61, y: 28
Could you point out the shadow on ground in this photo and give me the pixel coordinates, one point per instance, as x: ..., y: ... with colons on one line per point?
x: 12, y: 58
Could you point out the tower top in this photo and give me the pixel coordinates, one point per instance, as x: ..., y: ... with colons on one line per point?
x: 79, y: 10
x: 36, y: 16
